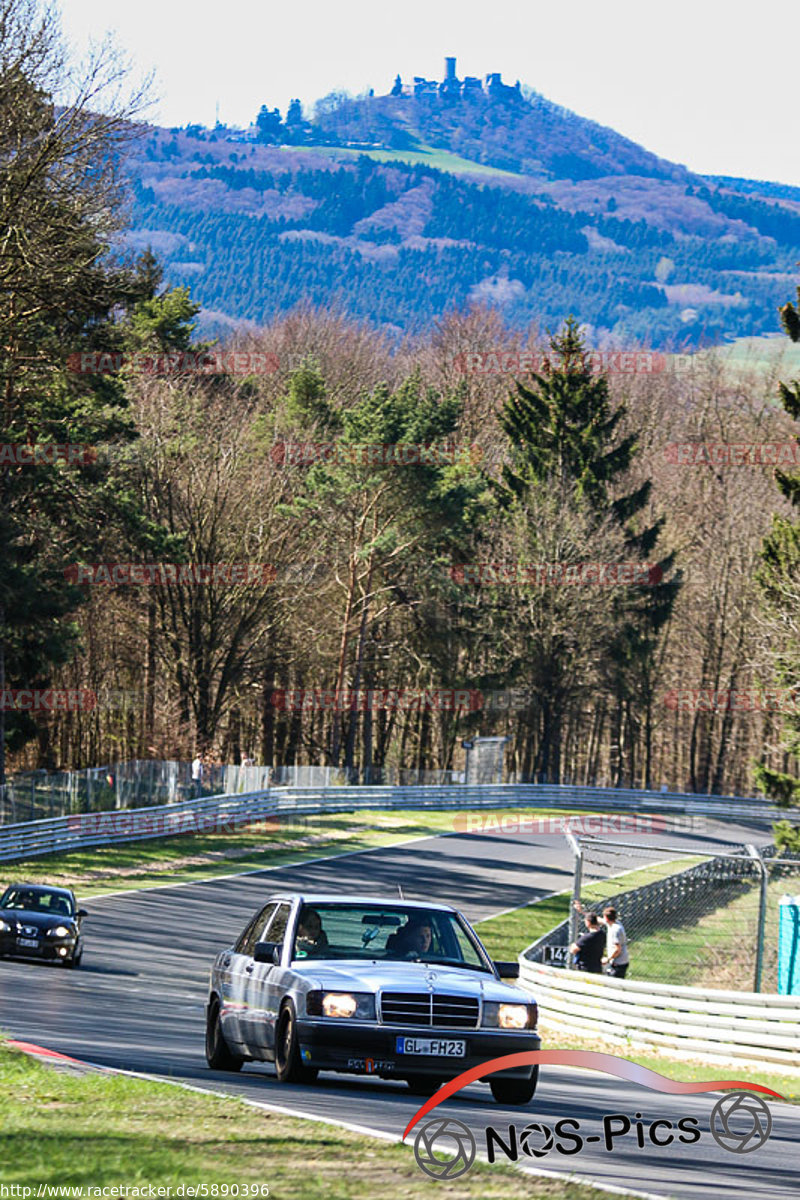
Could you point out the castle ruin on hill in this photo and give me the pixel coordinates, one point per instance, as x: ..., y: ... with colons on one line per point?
x: 453, y: 87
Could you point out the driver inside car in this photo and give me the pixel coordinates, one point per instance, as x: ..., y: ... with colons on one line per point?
x: 414, y: 938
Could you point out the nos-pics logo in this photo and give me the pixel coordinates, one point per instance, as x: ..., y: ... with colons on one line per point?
x: 446, y: 1148
x: 740, y: 1122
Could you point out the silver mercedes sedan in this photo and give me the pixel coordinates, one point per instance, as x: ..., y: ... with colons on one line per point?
x: 374, y: 986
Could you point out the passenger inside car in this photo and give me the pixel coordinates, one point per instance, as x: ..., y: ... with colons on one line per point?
x: 310, y: 934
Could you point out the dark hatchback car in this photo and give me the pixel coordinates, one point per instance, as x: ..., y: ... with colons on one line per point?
x: 38, y: 921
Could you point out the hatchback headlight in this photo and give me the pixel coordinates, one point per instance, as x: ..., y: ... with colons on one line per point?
x: 339, y: 1005
x: 510, y: 1016
x: 60, y: 931
x: 4, y: 926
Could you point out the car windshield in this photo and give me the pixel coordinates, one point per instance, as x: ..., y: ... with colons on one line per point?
x: 35, y: 901
x: 393, y: 932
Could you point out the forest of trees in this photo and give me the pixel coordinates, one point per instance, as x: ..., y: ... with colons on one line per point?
x: 399, y: 246
x: 366, y: 566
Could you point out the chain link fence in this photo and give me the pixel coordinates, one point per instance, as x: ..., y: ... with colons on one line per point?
x: 141, y: 783
x: 691, y: 917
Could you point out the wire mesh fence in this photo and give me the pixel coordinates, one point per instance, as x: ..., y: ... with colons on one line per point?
x: 140, y: 783
x: 690, y: 917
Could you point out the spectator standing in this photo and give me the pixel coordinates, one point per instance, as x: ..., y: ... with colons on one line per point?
x: 616, y: 956
x: 197, y: 776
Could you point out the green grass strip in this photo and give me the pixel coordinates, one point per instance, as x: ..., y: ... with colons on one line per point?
x: 98, y: 1130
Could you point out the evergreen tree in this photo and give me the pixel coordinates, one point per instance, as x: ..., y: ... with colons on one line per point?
x: 269, y: 127
x: 779, y: 581
x: 565, y: 438
x: 388, y: 519
x: 59, y: 294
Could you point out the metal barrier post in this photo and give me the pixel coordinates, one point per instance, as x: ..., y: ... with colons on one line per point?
x: 577, y: 879
x: 762, y: 915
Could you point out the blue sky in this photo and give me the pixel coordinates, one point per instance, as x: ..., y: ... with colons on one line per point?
x: 700, y: 83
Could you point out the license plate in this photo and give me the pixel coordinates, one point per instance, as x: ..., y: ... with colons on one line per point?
x: 33, y: 942
x: 437, y: 1047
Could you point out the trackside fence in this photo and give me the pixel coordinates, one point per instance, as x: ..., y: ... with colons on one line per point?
x: 30, y: 838
x: 711, y: 922
x: 669, y: 899
x: 141, y: 783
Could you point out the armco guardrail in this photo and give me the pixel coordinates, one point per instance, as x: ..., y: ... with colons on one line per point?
x: 190, y: 816
x: 747, y: 1027
x: 219, y: 814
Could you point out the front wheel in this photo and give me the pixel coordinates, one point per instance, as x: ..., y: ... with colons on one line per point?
x: 288, y: 1066
x: 75, y: 959
x: 218, y: 1055
x: 515, y: 1092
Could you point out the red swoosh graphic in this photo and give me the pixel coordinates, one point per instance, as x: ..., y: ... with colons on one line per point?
x: 611, y: 1064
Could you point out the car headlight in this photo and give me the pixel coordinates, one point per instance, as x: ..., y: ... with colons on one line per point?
x: 4, y: 927
x: 360, y: 1005
x: 510, y: 1016
x: 60, y: 931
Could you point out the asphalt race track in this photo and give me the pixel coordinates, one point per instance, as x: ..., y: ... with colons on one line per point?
x: 138, y: 1000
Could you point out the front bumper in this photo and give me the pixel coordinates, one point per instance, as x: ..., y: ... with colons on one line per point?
x: 364, y: 1049
x: 49, y: 949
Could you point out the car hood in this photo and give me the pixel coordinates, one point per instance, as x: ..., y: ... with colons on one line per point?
x: 21, y: 916
x: 361, y: 976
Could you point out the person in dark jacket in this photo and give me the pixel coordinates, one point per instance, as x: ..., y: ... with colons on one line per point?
x: 590, y: 947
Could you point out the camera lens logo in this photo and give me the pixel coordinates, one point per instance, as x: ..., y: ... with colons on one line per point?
x: 444, y: 1148
x: 741, y: 1122
x: 531, y: 1134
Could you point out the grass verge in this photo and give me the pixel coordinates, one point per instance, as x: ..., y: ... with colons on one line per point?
x: 98, y: 1130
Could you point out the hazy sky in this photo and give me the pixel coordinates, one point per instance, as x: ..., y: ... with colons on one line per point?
x: 696, y: 81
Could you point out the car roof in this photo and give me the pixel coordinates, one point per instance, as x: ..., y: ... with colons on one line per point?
x: 40, y: 887
x: 340, y: 898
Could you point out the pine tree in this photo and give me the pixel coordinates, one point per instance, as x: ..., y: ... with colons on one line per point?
x: 779, y: 581
x: 59, y: 293
x: 565, y: 436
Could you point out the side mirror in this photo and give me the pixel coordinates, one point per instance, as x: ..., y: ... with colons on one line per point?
x: 82, y: 912
x: 267, y: 952
x: 507, y: 970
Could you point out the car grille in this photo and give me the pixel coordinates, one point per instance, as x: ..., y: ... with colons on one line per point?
x: 424, y: 1008
x: 29, y: 931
